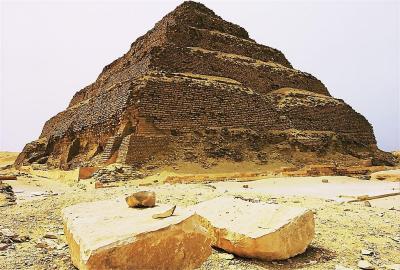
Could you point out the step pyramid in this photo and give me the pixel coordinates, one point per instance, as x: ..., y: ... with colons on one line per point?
x: 195, y: 88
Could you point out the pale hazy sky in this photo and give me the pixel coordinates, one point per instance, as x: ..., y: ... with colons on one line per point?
x: 50, y: 50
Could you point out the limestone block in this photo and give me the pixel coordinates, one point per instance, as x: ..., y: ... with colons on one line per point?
x: 258, y: 230
x: 87, y: 172
x: 110, y: 235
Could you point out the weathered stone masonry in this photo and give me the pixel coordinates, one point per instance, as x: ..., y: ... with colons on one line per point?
x: 197, y: 87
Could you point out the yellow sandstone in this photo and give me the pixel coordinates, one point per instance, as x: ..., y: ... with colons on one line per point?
x: 110, y: 235
x: 258, y: 230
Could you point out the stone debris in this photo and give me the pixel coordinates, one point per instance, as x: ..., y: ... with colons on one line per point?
x: 87, y: 172
x: 366, y: 265
x: 365, y: 177
x: 8, y: 233
x: 141, y: 199
x: 50, y: 236
x: 325, y: 181
x: 116, y: 173
x: 258, y: 230
x: 367, y: 252
x: 49, y: 244
x: 367, y: 204
x: 165, y: 214
x: 41, y: 245
x: 109, y: 235
x: 39, y: 194
x: 226, y: 256
x: 3, y: 246
x: 21, y: 238
x: 99, y: 184
x: 9, y: 237
x: 7, y: 196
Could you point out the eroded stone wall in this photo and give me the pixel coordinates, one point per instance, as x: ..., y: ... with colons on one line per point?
x: 186, y: 104
x: 262, y: 77
x: 144, y: 147
x: 98, y: 113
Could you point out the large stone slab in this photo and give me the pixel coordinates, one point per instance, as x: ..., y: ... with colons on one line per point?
x: 258, y: 230
x: 110, y: 235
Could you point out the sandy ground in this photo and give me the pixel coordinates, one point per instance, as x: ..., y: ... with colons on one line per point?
x: 7, y: 158
x: 342, y: 229
x: 338, y: 188
x: 389, y: 175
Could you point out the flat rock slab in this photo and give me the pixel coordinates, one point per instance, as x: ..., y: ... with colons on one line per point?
x: 110, y: 235
x: 258, y: 230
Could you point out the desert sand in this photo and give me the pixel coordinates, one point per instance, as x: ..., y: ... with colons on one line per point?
x: 342, y: 229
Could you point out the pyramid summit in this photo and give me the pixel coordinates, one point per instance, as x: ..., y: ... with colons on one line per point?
x: 197, y: 89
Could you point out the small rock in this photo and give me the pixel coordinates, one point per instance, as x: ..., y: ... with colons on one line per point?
x: 3, y: 246
x: 50, y: 236
x: 165, y: 214
x: 366, y: 252
x: 366, y: 265
x: 8, y: 233
x: 367, y: 204
x: 226, y: 256
x: 51, y: 244
x: 325, y: 181
x: 141, y: 199
x: 245, y: 186
x: 98, y: 184
x: 20, y: 239
x: 61, y: 246
x: 41, y: 245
